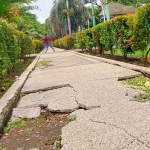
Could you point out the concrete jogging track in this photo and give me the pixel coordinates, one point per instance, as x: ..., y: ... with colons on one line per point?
x: 89, y: 88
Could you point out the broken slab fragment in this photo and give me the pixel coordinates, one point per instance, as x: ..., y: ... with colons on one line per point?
x: 30, y: 112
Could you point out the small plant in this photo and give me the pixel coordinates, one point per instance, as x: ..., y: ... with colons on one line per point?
x: 3, y: 149
x: 58, y: 142
x: 40, y: 121
x: 142, y: 83
x: 71, y: 118
x: 16, y: 124
x: 43, y: 63
x: 28, y: 130
x: 142, y: 98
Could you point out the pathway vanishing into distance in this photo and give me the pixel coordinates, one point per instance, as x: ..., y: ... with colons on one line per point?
x: 106, y: 118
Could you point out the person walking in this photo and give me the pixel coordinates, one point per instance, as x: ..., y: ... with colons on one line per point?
x: 50, y: 44
x: 47, y: 43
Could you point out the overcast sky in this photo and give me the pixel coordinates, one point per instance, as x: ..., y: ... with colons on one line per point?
x: 45, y: 7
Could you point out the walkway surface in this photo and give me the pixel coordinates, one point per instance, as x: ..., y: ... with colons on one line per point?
x: 106, y: 118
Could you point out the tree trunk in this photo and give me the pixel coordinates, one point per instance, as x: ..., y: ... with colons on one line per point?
x: 100, y: 49
x: 125, y: 56
x: 111, y: 50
x: 146, y: 56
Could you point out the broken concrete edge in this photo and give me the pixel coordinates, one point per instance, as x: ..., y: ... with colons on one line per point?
x: 140, y: 69
x: 10, y: 99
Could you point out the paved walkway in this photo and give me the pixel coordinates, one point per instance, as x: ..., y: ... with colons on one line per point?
x: 88, y: 88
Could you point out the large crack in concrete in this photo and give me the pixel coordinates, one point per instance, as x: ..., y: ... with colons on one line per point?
x: 46, y: 89
x: 134, y: 137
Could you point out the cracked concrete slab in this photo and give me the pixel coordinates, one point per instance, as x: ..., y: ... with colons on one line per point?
x: 65, y: 101
x: 113, y: 122
x: 97, y: 136
x: 133, y: 120
x: 30, y: 112
x: 74, y: 74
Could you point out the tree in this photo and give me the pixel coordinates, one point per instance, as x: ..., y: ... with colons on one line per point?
x: 5, y: 4
x: 58, y: 17
x: 135, y: 3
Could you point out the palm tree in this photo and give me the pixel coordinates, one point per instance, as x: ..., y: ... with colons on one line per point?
x: 58, y: 16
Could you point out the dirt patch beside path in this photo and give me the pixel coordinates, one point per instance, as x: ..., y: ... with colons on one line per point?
x: 40, y: 133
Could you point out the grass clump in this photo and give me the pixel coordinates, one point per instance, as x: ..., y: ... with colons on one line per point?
x: 141, y: 83
x: 58, y: 142
x: 71, y: 118
x: 43, y: 63
x: 142, y: 98
x: 16, y: 124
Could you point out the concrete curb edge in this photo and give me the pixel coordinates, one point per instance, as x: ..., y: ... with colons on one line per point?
x: 141, y: 69
x: 10, y: 99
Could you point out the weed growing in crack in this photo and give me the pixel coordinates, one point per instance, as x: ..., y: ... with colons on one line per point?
x: 71, y: 118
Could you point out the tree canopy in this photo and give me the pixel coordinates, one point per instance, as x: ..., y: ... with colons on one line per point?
x: 17, y: 13
x: 59, y: 13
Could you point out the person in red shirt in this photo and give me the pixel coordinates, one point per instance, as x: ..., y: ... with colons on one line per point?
x: 47, y: 43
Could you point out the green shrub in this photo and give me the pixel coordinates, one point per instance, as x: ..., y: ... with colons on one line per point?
x: 37, y: 46
x: 14, y: 45
x: 66, y: 42
x: 80, y: 42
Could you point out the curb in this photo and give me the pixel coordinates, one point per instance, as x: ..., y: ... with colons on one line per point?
x: 141, y: 69
x: 10, y: 99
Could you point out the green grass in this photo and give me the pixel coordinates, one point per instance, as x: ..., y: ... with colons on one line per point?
x: 16, y: 124
x: 43, y: 63
x: 58, y: 142
x: 117, y: 52
x: 141, y: 83
x: 71, y: 118
x: 141, y: 98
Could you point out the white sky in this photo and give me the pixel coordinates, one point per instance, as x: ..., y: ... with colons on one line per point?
x: 45, y: 7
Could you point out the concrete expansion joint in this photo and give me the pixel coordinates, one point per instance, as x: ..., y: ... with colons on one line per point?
x: 134, y: 137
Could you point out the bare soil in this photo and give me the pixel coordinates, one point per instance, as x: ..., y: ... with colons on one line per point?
x: 40, y: 133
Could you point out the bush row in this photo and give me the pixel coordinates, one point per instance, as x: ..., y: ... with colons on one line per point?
x: 129, y: 33
x: 14, y: 45
x: 66, y: 42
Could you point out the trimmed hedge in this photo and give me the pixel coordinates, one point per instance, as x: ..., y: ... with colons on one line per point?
x: 128, y: 32
x: 14, y: 45
x: 66, y: 42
